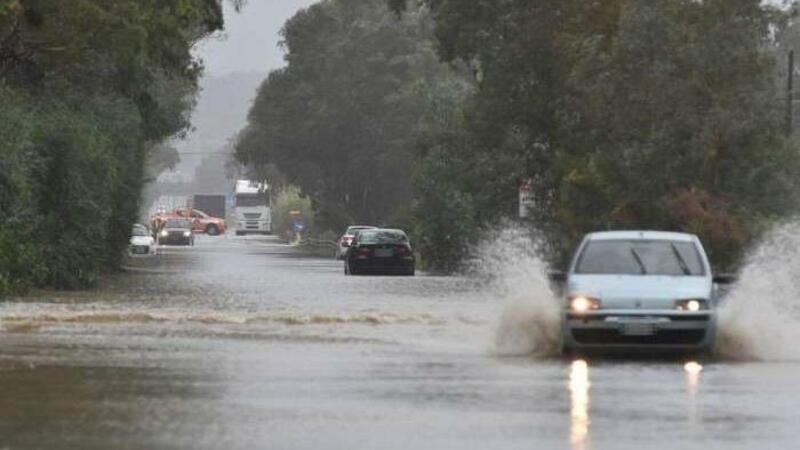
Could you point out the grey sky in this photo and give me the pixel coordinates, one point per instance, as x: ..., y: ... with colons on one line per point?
x: 250, y: 41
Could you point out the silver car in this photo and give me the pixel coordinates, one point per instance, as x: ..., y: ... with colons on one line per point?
x: 639, y: 290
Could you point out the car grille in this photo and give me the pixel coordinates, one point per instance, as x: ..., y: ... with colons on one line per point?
x: 252, y: 216
x: 661, y: 337
x: 672, y: 317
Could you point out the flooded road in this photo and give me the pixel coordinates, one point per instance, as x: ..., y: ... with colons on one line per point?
x: 241, y: 344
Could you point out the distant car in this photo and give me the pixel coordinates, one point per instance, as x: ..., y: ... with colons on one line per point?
x: 142, y: 241
x: 380, y: 251
x: 202, y: 222
x: 176, y: 231
x: 159, y: 219
x: 639, y: 290
x: 344, y: 242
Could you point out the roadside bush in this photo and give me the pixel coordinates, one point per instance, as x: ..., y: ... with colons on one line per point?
x: 290, y: 198
x: 78, y: 112
x: 445, y: 216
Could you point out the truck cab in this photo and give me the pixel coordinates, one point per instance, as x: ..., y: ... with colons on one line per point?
x: 252, y: 209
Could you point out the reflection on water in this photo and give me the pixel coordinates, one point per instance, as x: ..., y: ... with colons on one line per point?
x: 693, y: 370
x: 579, y: 411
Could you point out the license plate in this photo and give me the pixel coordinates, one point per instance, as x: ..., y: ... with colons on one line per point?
x: 384, y: 253
x: 638, y: 328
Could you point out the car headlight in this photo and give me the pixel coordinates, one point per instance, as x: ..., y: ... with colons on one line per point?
x: 582, y: 304
x: 691, y: 304
x: 187, y: 233
x: 164, y: 233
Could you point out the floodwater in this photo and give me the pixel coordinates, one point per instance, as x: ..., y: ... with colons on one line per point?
x: 238, y: 343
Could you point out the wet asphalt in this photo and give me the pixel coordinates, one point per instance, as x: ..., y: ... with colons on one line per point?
x: 242, y: 343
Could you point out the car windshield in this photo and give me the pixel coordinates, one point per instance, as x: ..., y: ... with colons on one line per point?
x: 178, y: 223
x: 382, y: 237
x: 140, y: 231
x: 640, y: 257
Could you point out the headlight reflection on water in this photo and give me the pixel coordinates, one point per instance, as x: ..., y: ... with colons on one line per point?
x: 693, y: 370
x: 579, y: 411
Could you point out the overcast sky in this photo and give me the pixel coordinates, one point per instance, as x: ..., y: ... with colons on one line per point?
x: 250, y: 40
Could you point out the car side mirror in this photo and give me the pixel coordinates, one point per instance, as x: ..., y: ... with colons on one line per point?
x: 725, y: 278
x: 557, y: 276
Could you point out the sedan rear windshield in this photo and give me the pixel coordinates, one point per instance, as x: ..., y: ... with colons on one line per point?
x: 382, y: 237
x: 640, y: 257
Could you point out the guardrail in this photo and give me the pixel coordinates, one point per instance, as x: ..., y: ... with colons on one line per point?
x: 321, y: 247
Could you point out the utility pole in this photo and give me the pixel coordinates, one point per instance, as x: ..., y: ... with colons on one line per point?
x: 790, y: 93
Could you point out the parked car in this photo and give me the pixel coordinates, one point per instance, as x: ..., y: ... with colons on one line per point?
x: 176, y: 231
x: 380, y: 251
x: 202, y: 222
x: 142, y: 241
x: 639, y: 290
x: 347, y: 238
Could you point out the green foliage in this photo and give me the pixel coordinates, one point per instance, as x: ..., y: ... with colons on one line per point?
x: 445, y: 216
x: 86, y: 89
x: 343, y: 119
x: 624, y: 114
x: 290, y: 198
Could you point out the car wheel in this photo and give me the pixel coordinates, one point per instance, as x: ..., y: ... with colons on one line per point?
x: 212, y: 230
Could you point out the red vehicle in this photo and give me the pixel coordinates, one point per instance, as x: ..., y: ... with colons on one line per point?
x: 203, y: 223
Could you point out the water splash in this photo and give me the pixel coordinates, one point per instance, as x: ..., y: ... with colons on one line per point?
x: 759, y: 320
x: 529, y: 324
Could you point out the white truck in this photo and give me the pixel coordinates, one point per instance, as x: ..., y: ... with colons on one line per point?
x: 252, y: 209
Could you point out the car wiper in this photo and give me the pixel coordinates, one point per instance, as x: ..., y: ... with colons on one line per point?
x: 639, y: 260
x: 681, y: 261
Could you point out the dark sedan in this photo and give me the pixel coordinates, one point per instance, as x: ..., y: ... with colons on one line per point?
x: 176, y: 231
x: 380, y: 251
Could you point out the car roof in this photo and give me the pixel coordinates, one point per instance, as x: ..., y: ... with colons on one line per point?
x: 645, y: 235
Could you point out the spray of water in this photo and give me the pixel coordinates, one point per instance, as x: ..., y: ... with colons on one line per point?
x: 529, y: 323
x: 759, y: 318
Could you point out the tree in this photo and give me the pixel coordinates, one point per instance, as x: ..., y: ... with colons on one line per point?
x: 343, y: 119
x: 95, y: 84
x: 624, y: 114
